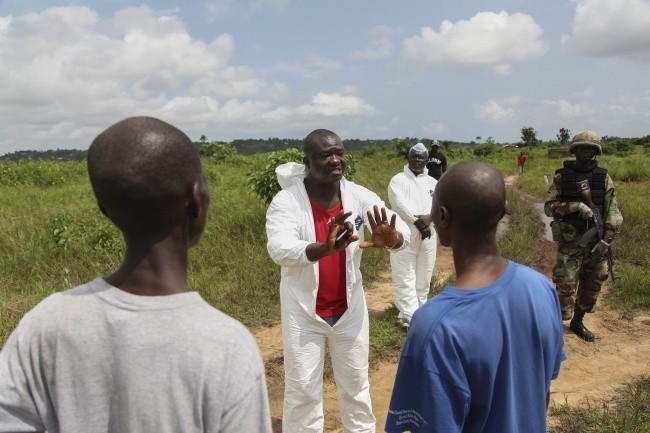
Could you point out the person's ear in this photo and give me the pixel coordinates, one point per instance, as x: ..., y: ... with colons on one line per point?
x: 445, y: 217
x: 198, y: 199
x: 198, y: 202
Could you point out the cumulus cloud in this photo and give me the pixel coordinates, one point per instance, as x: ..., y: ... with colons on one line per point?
x: 606, y: 28
x: 494, y: 112
x: 217, y: 8
x: 69, y: 73
x: 609, y: 116
x: 568, y: 110
x: 380, y: 46
x: 488, y: 39
x: 335, y: 104
x: 587, y: 93
x: 313, y: 67
x: 68, y: 57
x: 433, y: 129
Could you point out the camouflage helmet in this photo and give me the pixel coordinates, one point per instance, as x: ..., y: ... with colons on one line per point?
x: 586, y: 138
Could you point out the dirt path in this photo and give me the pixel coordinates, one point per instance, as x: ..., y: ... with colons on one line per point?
x: 592, y: 370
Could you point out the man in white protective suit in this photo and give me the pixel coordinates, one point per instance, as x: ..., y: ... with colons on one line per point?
x: 410, y: 193
x: 315, y: 233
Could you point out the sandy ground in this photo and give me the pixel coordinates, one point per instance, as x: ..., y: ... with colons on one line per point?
x: 592, y: 370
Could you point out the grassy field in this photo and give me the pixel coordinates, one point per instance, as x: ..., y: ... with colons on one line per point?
x: 54, y: 237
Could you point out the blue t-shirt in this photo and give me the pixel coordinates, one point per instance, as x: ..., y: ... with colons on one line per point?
x: 481, y: 360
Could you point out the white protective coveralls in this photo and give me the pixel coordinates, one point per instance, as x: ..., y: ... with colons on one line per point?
x: 412, y: 267
x: 290, y: 228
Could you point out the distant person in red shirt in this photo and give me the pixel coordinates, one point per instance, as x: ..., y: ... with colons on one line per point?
x: 521, y: 161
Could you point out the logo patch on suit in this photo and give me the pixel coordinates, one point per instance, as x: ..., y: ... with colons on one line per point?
x: 358, y: 221
x: 431, y: 192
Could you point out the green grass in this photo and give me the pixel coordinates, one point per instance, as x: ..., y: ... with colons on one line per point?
x: 627, y: 412
x: 54, y: 237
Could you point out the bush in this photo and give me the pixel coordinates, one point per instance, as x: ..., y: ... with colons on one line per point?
x: 264, y: 183
x: 40, y: 173
x: 617, y: 146
x: 487, y: 149
x: 218, y: 151
x: 403, y: 145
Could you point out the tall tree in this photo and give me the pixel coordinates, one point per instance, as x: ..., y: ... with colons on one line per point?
x: 529, y: 136
x: 564, y: 136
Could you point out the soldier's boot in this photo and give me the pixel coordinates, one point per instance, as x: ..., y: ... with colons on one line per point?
x: 579, y: 329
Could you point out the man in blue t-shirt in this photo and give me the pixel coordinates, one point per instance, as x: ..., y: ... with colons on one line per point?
x: 480, y: 356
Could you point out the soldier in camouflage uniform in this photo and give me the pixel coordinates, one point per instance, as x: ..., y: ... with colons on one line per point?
x: 580, y: 271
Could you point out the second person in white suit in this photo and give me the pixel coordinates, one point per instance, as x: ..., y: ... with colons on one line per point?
x: 410, y: 193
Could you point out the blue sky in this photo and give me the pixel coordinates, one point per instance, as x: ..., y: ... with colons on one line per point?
x: 231, y: 69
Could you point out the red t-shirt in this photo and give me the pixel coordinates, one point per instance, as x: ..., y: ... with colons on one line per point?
x: 331, y: 299
x: 521, y: 159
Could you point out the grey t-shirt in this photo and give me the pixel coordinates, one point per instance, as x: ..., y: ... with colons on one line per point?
x: 98, y: 359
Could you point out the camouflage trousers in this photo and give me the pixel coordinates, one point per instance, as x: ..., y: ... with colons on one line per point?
x: 578, y: 276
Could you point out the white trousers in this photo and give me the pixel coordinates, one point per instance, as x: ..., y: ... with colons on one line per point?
x: 305, y: 340
x: 411, y: 270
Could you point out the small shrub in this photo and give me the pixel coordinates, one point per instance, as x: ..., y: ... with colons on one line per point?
x: 218, y: 151
x: 487, y: 149
x: 264, y: 183
x: 618, y: 146
x: 40, y: 173
x: 402, y: 147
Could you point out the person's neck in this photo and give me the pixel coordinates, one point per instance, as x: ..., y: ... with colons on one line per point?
x: 152, y: 269
x: 477, y: 264
x: 325, y: 194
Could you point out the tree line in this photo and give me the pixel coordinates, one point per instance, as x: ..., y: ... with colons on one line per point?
x: 250, y: 146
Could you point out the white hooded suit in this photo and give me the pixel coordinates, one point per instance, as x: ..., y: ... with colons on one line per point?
x: 290, y: 228
x: 412, y: 267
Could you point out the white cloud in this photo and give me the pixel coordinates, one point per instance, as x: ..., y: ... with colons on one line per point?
x: 434, y: 129
x: 380, y: 46
x: 494, y: 112
x: 335, y: 104
x: 587, y: 93
x: 493, y: 40
x: 74, y: 72
x: 217, y: 8
x: 313, y: 67
x: 608, y: 28
x: 567, y: 110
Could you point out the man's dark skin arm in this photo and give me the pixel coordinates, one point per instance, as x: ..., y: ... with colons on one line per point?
x: 423, y: 224
x: 384, y: 235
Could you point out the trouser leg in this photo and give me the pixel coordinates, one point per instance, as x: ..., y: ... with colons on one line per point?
x: 304, y: 355
x: 426, y: 260
x: 593, y: 273
x: 402, y: 265
x: 349, y: 346
x: 565, y: 277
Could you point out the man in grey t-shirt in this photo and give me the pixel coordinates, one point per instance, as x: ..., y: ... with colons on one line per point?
x: 137, y: 351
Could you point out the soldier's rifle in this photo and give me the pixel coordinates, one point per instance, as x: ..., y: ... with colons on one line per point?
x: 599, y: 227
